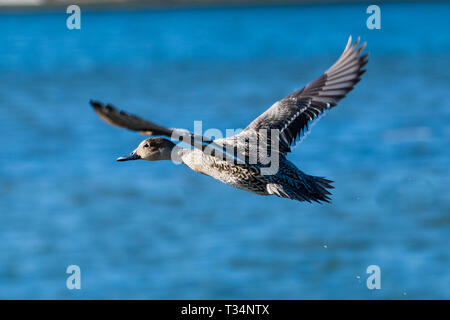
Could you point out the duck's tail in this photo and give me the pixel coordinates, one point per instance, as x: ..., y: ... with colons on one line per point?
x: 307, y: 188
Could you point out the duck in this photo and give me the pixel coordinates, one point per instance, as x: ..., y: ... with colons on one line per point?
x: 237, y: 160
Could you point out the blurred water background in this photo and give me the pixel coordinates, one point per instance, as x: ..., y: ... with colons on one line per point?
x: 143, y: 230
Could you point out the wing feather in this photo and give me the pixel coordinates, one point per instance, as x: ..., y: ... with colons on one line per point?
x: 122, y: 119
x: 293, y: 115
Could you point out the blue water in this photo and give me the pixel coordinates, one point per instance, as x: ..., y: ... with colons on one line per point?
x: 142, y: 230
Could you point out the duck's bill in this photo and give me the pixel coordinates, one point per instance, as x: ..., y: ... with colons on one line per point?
x: 131, y: 156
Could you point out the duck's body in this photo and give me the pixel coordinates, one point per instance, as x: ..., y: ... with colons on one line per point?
x: 238, y: 176
x: 287, y: 182
x: 287, y: 120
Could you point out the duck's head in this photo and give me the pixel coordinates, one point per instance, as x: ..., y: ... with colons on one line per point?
x: 152, y: 149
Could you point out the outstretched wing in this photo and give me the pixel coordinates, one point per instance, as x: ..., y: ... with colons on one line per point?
x: 125, y: 120
x: 293, y: 115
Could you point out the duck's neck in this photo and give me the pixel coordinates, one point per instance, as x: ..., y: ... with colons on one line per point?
x: 174, y: 153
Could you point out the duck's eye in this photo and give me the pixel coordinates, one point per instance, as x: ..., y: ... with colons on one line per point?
x: 146, y: 145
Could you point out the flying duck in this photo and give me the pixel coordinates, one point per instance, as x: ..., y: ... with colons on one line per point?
x: 235, y: 160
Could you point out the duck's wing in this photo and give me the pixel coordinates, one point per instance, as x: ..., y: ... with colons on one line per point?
x: 293, y: 115
x: 122, y: 119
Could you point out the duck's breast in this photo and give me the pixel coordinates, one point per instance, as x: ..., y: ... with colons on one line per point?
x: 228, y: 173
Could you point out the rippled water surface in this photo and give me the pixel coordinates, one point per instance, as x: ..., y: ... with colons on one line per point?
x: 157, y: 230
